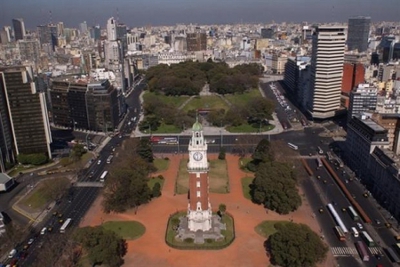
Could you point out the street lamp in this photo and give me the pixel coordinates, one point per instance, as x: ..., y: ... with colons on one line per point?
x: 220, y: 132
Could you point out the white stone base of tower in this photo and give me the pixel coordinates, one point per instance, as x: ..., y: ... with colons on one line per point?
x: 199, y: 220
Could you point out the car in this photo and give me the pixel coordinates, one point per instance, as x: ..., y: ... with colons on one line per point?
x: 55, y: 213
x: 388, y: 225
x: 25, y: 247
x: 61, y: 221
x: 321, y: 210
x: 60, y: 215
x: 50, y: 229
x: 378, y: 222
x: 344, y: 209
x: 359, y: 225
x: 318, y: 177
x: 30, y: 241
x: 365, y: 195
x: 99, y: 162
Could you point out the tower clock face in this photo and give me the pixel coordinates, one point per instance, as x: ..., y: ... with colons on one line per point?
x: 197, y: 156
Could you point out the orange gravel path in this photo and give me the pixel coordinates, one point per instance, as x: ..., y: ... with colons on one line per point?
x: 246, y: 251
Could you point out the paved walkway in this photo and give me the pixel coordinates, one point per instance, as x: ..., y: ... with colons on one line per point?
x: 246, y: 250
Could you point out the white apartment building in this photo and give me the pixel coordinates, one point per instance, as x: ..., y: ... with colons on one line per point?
x: 111, y: 29
x: 326, y: 71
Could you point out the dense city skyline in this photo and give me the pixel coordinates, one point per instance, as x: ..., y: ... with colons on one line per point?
x: 140, y: 12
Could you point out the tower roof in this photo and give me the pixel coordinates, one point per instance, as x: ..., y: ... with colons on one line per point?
x: 197, y: 125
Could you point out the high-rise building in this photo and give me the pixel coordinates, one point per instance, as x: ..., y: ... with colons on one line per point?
x: 95, y: 32
x: 29, y: 50
x: 362, y: 99
x: 122, y: 30
x: 48, y: 34
x: 19, y: 29
x: 267, y: 33
x: 199, y: 206
x: 24, y: 122
x: 353, y: 75
x: 358, y: 33
x: 111, y: 29
x: 5, y: 35
x: 196, y: 41
x: 326, y: 71
x: 84, y: 104
x: 83, y: 28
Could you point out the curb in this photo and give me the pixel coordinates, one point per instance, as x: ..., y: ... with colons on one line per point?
x: 23, y: 213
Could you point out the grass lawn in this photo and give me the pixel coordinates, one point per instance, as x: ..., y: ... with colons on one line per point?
x: 161, y: 164
x: 214, y: 102
x: 182, y: 180
x: 176, y: 101
x: 243, y: 163
x: 241, y: 99
x: 41, y: 194
x: 126, y: 229
x: 153, y: 180
x: 228, y: 234
x: 25, y: 168
x: 164, y: 128
x: 246, y: 182
x: 267, y: 228
x: 218, y: 177
x: 247, y: 128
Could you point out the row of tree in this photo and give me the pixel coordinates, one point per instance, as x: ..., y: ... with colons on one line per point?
x: 127, y: 184
x: 188, y: 78
x: 274, y: 185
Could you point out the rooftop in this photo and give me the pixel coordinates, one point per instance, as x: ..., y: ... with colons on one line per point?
x: 4, y: 178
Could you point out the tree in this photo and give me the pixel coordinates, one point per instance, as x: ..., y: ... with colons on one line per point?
x: 34, y: 159
x: 76, y: 152
x: 156, y: 191
x: 263, y: 152
x: 145, y: 151
x: 221, y: 155
x: 222, y: 209
x: 55, y: 188
x: 274, y: 186
x: 295, y: 245
x: 103, y: 246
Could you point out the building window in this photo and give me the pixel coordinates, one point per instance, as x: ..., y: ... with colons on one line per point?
x: 198, y: 184
x: 198, y: 194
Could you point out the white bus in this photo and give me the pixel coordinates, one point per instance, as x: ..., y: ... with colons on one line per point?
x: 109, y: 159
x: 354, y: 231
x: 319, y: 162
x: 103, y: 176
x: 292, y: 146
x: 65, y: 225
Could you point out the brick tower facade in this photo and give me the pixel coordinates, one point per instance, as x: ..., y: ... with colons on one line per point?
x: 199, y: 207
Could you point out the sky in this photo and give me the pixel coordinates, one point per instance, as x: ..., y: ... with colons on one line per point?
x: 136, y: 13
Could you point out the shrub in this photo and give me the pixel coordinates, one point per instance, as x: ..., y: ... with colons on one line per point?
x: 189, y: 240
x: 160, y: 177
x: 166, y: 158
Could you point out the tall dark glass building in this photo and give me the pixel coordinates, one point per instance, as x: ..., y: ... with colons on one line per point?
x: 358, y: 33
x: 19, y: 29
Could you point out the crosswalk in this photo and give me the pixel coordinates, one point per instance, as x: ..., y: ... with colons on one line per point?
x: 350, y: 251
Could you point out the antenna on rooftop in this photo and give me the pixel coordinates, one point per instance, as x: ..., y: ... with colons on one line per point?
x: 117, y: 15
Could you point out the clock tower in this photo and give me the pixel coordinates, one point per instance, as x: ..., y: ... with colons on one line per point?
x: 199, y: 207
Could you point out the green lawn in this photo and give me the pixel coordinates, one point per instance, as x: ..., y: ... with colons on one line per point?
x: 161, y: 164
x: 25, y: 168
x: 229, y: 235
x: 41, y: 194
x: 153, y: 180
x: 243, y: 163
x: 164, y: 128
x: 242, y: 99
x: 126, y: 229
x: 246, y: 183
x: 218, y: 177
x: 176, y: 101
x: 212, y: 102
x: 267, y: 228
x: 246, y: 128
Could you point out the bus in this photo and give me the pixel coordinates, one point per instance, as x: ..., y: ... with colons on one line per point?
x: 368, y: 239
x: 65, y: 225
x: 355, y: 232
x: 319, y: 162
x: 103, y: 176
x: 397, y: 247
x: 171, y: 140
x: 329, y: 155
x: 340, y: 162
x: 337, y: 218
x: 353, y: 214
x: 339, y: 233
x: 392, y: 255
x: 362, y: 250
x: 293, y: 146
x: 109, y: 159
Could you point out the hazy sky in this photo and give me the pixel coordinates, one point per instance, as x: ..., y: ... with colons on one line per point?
x: 169, y: 12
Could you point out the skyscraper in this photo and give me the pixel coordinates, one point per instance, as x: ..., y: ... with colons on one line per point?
x: 196, y: 41
x: 326, y: 71
x: 111, y: 29
x: 358, y: 33
x: 23, y: 114
x: 19, y: 29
